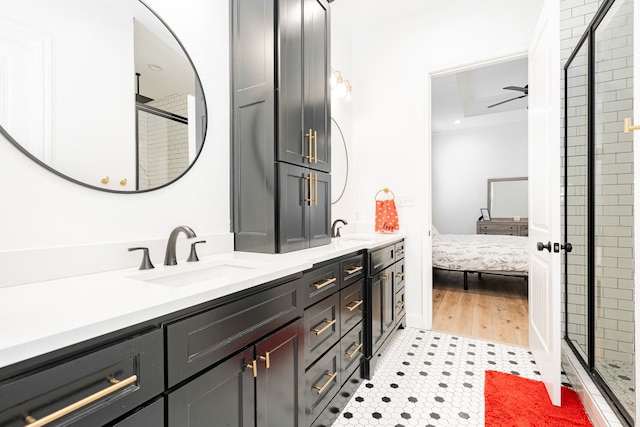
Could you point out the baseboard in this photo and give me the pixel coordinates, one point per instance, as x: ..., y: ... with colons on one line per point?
x: 596, y: 406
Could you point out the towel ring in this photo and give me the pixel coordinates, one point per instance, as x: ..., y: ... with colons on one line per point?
x: 385, y: 190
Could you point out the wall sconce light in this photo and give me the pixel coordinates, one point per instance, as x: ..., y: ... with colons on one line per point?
x: 340, y: 87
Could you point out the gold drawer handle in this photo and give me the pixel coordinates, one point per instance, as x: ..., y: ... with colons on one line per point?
x: 400, y: 305
x: 325, y: 385
x: 323, y: 284
x: 400, y: 274
x: 354, y: 270
x: 115, y: 386
x: 266, y: 359
x: 254, y: 368
x: 400, y: 251
x: 354, y: 352
x: 329, y: 323
x: 385, y: 277
x: 354, y: 305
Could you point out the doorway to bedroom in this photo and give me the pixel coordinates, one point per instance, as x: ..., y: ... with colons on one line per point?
x: 479, y: 137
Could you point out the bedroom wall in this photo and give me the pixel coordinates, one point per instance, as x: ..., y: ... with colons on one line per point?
x: 463, y: 161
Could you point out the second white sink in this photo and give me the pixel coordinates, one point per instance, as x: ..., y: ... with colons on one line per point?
x: 190, y: 274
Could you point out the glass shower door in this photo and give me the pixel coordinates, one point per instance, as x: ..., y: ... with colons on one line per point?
x: 613, y: 202
x: 576, y: 200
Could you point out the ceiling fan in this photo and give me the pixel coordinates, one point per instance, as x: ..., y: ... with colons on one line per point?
x: 524, y: 90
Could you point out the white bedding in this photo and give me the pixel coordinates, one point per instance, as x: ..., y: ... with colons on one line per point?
x: 481, y: 253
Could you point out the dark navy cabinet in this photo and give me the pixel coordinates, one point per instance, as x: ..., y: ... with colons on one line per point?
x: 281, y: 125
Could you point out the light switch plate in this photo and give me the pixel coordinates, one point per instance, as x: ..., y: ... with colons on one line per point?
x: 404, y: 201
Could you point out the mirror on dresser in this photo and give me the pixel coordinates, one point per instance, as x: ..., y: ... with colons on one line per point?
x: 99, y: 92
x: 508, y: 198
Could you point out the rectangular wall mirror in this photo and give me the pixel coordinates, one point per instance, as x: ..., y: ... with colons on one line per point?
x: 508, y: 198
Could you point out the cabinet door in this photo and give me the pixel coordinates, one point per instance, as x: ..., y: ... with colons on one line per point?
x: 280, y: 380
x: 382, y: 306
x: 316, y: 80
x: 294, y: 199
x: 320, y: 210
x: 223, y: 396
x: 293, y: 147
x: 253, y: 129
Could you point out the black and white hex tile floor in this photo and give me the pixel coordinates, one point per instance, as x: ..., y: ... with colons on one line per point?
x: 428, y: 378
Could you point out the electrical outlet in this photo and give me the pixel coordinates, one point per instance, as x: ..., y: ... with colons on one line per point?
x: 404, y: 201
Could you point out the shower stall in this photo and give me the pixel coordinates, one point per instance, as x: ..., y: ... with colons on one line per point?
x: 598, y: 201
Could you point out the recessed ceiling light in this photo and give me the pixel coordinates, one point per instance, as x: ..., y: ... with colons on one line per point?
x: 155, y: 67
x: 457, y: 122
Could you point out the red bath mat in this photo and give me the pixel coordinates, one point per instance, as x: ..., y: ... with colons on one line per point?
x: 513, y: 401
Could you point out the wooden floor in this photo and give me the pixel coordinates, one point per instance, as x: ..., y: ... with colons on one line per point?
x: 495, y: 308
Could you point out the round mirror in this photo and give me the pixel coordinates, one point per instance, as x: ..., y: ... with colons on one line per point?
x: 339, y: 162
x: 100, y: 92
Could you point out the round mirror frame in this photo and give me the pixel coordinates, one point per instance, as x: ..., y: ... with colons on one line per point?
x: 346, y: 155
x: 109, y: 190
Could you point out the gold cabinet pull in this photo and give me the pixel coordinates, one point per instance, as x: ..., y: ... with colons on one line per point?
x: 354, y: 270
x: 385, y: 277
x: 354, y: 352
x: 115, y: 386
x: 329, y: 323
x: 400, y: 274
x: 310, y: 199
x: 628, y: 127
x: 266, y: 359
x: 400, y: 305
x: 325, y: 385
x: 400, y: 251
x: 354, y: 305
x: 310, y: 136
x: 254, y: 367
x: 315, y: 143
x: 316, y: 192
x: 323, y: 284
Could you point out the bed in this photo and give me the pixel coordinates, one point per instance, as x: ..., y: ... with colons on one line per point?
x: 481, y: 253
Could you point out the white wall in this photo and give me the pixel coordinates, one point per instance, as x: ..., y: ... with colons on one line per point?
x: 41, y: 210
x: 342, y: 113
x: 390, y: 67
x: 462, y: 161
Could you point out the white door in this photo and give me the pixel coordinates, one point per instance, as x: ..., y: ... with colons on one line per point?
x: 544, y: 197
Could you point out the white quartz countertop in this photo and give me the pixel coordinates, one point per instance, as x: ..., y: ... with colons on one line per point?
x: 41, y: 317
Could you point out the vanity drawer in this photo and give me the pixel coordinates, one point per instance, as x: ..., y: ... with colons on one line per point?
x: 200, y: 341
x: 381, y: 259
x: 113, y: 380
x: 351, y: 305
x: 351, y: 269
x: 352, y: 351
x: 322, y: 383
x: 398, y: 279
x: 320, y: 282
x: 322, y: 327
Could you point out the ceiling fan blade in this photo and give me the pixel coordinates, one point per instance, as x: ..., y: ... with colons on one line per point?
x: 503, y: 102
x: 519, y: 89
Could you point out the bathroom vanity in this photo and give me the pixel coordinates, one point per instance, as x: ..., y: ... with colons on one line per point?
x: 274, y: 340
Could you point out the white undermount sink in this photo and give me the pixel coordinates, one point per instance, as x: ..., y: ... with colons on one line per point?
x: 192, y: 273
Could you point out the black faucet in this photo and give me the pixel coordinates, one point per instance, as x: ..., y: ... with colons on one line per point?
x: 170, y: 254
x: 336, y: 232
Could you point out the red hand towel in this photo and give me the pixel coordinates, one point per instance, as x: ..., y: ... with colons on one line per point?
x: 386, y: 216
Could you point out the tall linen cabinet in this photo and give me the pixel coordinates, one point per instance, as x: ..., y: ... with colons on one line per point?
x: 281, y: 125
